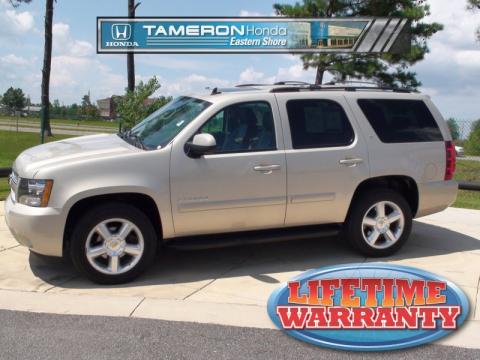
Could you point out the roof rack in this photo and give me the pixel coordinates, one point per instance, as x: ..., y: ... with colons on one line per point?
x: 337, y: 88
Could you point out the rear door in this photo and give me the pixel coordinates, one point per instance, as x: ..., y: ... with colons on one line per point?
x: 326, y: 156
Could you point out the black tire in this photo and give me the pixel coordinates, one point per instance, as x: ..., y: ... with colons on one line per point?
x: 95, y: 216
x: 353, y: 229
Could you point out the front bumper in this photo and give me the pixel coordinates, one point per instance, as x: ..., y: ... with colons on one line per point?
x: 39, y: 229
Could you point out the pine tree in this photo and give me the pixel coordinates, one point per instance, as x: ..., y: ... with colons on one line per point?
x: 384, y: 69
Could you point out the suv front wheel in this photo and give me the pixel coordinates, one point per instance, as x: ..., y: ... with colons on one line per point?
x: 113, y: 243
x: 379, y: 223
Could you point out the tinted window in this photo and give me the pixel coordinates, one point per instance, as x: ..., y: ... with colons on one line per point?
x: 401, y: 121
x: 159, y: 128
x: 318, y: 123
x: 243, y: 127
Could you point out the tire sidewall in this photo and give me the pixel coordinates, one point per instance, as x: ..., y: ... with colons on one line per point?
x: 361, y: 206
x: 89, y: 220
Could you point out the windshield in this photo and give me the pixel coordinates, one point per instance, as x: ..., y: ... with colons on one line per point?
x: 159, y: 128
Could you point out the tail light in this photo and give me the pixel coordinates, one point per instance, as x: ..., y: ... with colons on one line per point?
x: 451, y: 160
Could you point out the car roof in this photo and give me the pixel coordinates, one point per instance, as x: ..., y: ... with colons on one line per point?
x: 219, y: 94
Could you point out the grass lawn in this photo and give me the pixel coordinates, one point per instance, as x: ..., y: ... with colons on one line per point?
x: 467, y: 170
x: 12, y: 144
x: 113, y: 124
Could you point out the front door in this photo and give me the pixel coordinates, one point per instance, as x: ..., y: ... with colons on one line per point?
x: 242, y: 185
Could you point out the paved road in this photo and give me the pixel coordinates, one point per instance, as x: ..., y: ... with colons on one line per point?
x: 56, y: 131
x: 44, y: 336
x: 71, y: 125
x: 61, y: 129
x: 474, y: 158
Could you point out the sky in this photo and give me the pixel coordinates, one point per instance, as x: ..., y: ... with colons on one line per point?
x: 450, y: 73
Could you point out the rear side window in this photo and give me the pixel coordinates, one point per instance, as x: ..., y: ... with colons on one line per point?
x: 318, y: 123
x: 401, y: 121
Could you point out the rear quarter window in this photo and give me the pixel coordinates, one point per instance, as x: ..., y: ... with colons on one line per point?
x: 401, y: 121
x: 318, y: 123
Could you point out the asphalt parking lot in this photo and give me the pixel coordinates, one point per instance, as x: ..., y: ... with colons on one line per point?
x: 99, y: 337
x: 231, y: 286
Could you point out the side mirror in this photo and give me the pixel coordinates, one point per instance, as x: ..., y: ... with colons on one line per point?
x: 201, y: 144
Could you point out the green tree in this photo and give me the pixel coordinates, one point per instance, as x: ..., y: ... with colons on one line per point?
x: 134, y: 106
x: 475, y: 5
x: 86, y: 101
x: 385, y: 69
x: 476, y: 125
x: 88, y: 109
x: 472, y: 145
x: 454, y: 128
x: 14, y: 99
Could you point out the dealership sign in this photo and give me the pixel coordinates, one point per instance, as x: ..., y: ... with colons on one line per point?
x: 368, y: 307
x: 247, y: 35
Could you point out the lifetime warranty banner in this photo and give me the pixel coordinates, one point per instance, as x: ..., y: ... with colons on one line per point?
x: 252, y: 35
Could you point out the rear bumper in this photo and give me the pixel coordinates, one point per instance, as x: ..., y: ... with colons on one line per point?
x: 39, y: 229
x: 436, y: 196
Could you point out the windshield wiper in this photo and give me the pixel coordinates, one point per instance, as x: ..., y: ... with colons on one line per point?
x: 132, y: 139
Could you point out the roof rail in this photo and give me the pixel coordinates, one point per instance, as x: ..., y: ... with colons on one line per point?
x: 337, y: 88
x: 250, y: 85
x: 291, y: 83
x: 344, y: 82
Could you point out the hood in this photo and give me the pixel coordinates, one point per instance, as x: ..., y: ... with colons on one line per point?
x: 70, y: 151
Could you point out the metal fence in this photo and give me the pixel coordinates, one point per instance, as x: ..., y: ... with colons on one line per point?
x: 465, y: 127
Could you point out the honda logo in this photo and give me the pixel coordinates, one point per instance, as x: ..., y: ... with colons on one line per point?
x: 121, y: 31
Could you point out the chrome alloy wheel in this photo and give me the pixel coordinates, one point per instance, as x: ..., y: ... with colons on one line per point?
x: 383, y: 224
x: 114, y: 246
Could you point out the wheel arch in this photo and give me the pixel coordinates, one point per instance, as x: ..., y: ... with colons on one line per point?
x: 142, y: 202
x: 404, y: 185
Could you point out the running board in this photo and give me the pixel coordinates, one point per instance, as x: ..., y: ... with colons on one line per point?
x: 252, y: 237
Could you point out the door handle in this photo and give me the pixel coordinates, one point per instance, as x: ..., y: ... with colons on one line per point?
x: 351, y: 162
x: 266, y: 169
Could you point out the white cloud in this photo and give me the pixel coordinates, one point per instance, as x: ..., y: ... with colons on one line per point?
x: 468, y: 58
x: 12, y: 59
x: 451, y: 70
x: 170, y: 62
x: 190, y: 84
x: 13, y: 22
x: 63, y: 43
x: 73, y: 77
x: 76, y: 71
x: 293, y: 72
x: 249, y: 13
x: 251, y: 76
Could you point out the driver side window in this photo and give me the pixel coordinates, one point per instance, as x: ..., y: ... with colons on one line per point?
x: 243, y: 127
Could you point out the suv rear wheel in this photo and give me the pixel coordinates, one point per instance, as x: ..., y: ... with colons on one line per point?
x: 113, y: 243
x: 379, y: 223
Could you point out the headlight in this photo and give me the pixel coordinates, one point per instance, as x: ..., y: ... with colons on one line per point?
x: 33, y: 192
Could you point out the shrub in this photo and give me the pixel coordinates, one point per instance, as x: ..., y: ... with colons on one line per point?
x: 472, y: 145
